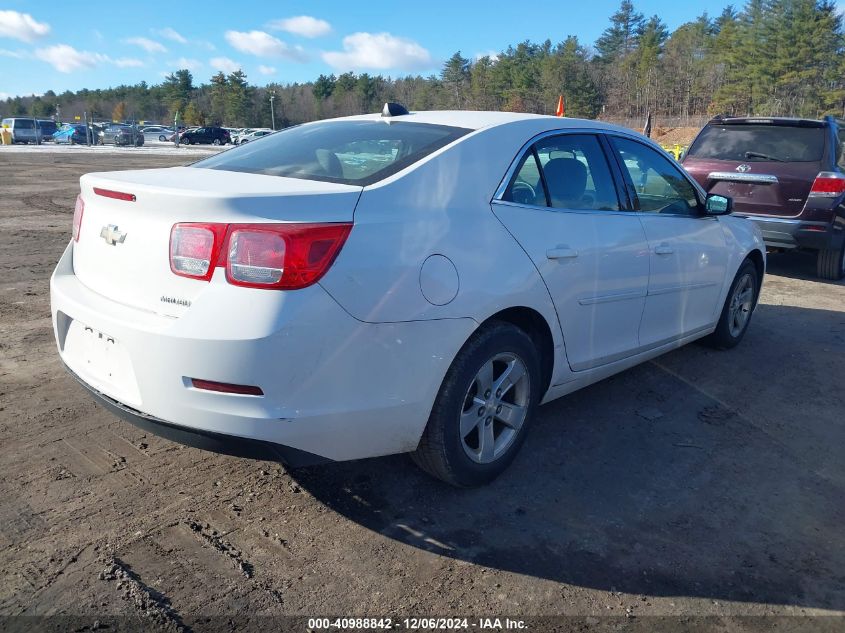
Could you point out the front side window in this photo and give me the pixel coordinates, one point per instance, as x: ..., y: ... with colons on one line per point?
x: 347, y: 152
x: 658, y: 185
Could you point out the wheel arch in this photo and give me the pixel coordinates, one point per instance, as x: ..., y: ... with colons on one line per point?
x: 539, y: 331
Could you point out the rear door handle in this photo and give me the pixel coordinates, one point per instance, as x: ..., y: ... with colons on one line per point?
x: 663, y: 249
x: 561, y: 252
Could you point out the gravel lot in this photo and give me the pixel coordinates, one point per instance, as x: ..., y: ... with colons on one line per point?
x: 701, y: 484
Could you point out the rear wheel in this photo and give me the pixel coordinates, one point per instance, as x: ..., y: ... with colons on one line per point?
x: 830, y: 263
x: 482, y: 412
x: 739, y: 305
x: 216, y: 142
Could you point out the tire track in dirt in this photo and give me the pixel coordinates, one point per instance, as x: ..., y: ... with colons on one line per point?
x: 149, y: 603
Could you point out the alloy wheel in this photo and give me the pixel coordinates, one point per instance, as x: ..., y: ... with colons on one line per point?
x: 495, y: 408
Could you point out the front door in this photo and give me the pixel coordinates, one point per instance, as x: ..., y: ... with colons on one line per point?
x: 563, y: 208
x: 687, y: 247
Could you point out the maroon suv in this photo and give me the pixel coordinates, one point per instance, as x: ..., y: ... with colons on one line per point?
x: 788, y: 175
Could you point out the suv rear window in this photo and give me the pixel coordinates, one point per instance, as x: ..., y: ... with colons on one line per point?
x: 347, y: 152
x: 754, y: 143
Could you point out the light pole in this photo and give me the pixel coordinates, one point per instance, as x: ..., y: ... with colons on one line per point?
x: 272, y: 110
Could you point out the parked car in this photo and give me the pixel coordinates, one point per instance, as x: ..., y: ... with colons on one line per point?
x: 73, y: 134
x: 27, y: 130
x: 206, y: 135
x: 787, y: 175
x: 240, y: 132
x: 155, y: 133
x: 46, y: 127
x: 425, y: 297
x: 251, y: 136
x: 119, y: 134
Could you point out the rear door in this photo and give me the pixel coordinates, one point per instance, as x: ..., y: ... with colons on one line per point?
x: 687, y: 248
x: 767, y: 166
x: 562, y: 206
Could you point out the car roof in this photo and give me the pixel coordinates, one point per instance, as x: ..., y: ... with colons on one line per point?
x: 477, y: 119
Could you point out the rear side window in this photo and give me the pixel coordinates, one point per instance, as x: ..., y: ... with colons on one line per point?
x: 346, y: 152
x: 755, y: 143
x: 24, y: 124
x: 575, y: 175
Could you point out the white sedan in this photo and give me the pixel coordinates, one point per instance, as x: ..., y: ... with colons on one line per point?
x: 416, y: 282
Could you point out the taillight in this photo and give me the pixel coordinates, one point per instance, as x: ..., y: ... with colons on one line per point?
x: 195, y: 248
x: 828, y: 184
x: 276, y: 256
x: 78, y: 210
x: 282, y: 256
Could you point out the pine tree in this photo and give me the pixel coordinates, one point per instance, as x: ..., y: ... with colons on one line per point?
x: 455, y: 77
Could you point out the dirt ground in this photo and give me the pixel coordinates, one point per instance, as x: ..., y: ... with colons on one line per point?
x: 701, y: 484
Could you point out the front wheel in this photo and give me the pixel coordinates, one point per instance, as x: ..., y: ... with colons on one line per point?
x: 739, y: 305
x: 830, y: 263
x: 485, y: 405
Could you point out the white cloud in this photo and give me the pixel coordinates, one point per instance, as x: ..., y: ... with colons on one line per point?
x: 151, y: 46
x: 4, y: 96
x: 187, y: 63
x: 303, y: 25
x: 19, y: 54
x: 67, y: 59
x: 263, y: 44
x: 171, y: 34
x: 127, y: 62
x: 225, y: 64
x: 266, y: 70
x: 22, y: 26
x: 378, y: 51
x: 493, y: 55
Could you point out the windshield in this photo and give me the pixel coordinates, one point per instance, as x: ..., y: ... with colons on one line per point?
x: 749, y: 143
x: 347, y: 152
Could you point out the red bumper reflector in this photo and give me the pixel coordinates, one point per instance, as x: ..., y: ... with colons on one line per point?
x: 117, y: 195
x: 225, y: 387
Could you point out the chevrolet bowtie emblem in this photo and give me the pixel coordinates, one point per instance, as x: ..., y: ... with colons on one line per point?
x: 112, y: 235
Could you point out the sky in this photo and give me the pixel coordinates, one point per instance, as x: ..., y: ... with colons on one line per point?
x: 48, y: 46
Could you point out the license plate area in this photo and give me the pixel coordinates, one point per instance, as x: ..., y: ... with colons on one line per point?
x: 101, y: 360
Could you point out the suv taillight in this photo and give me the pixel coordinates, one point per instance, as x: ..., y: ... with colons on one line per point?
x: 275, y: 256
x: 78, y: 210
x: 828, y: 184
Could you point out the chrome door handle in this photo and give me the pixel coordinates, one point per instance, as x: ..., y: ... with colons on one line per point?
x: 663, y: 249
x: 561, y: 252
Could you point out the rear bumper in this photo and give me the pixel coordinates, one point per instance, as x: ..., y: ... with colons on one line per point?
x: 789, y: 233
x: 205, y: 440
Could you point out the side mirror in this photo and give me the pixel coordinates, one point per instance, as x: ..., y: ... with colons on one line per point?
x: 718, y: 205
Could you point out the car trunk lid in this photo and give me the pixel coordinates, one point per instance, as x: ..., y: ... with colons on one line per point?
x: 123, y: 251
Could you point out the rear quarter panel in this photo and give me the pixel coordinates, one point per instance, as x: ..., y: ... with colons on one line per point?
x: 440, y: 206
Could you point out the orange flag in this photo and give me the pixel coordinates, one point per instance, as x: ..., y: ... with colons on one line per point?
x: 559, y: 111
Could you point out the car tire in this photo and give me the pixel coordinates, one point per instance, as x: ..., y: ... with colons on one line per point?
x: 467, y: 441
x: 216, y: 142
x: 162, y: 138
x: 739, y: 306
x: 830, y: 263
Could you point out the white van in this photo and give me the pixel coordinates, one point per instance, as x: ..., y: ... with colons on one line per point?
x: 24, y: 130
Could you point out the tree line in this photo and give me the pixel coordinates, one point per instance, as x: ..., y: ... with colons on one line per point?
x: 771, y: 57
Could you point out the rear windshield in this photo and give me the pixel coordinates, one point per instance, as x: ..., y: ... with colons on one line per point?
x: 749, y: 143
x: 347, y: 152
